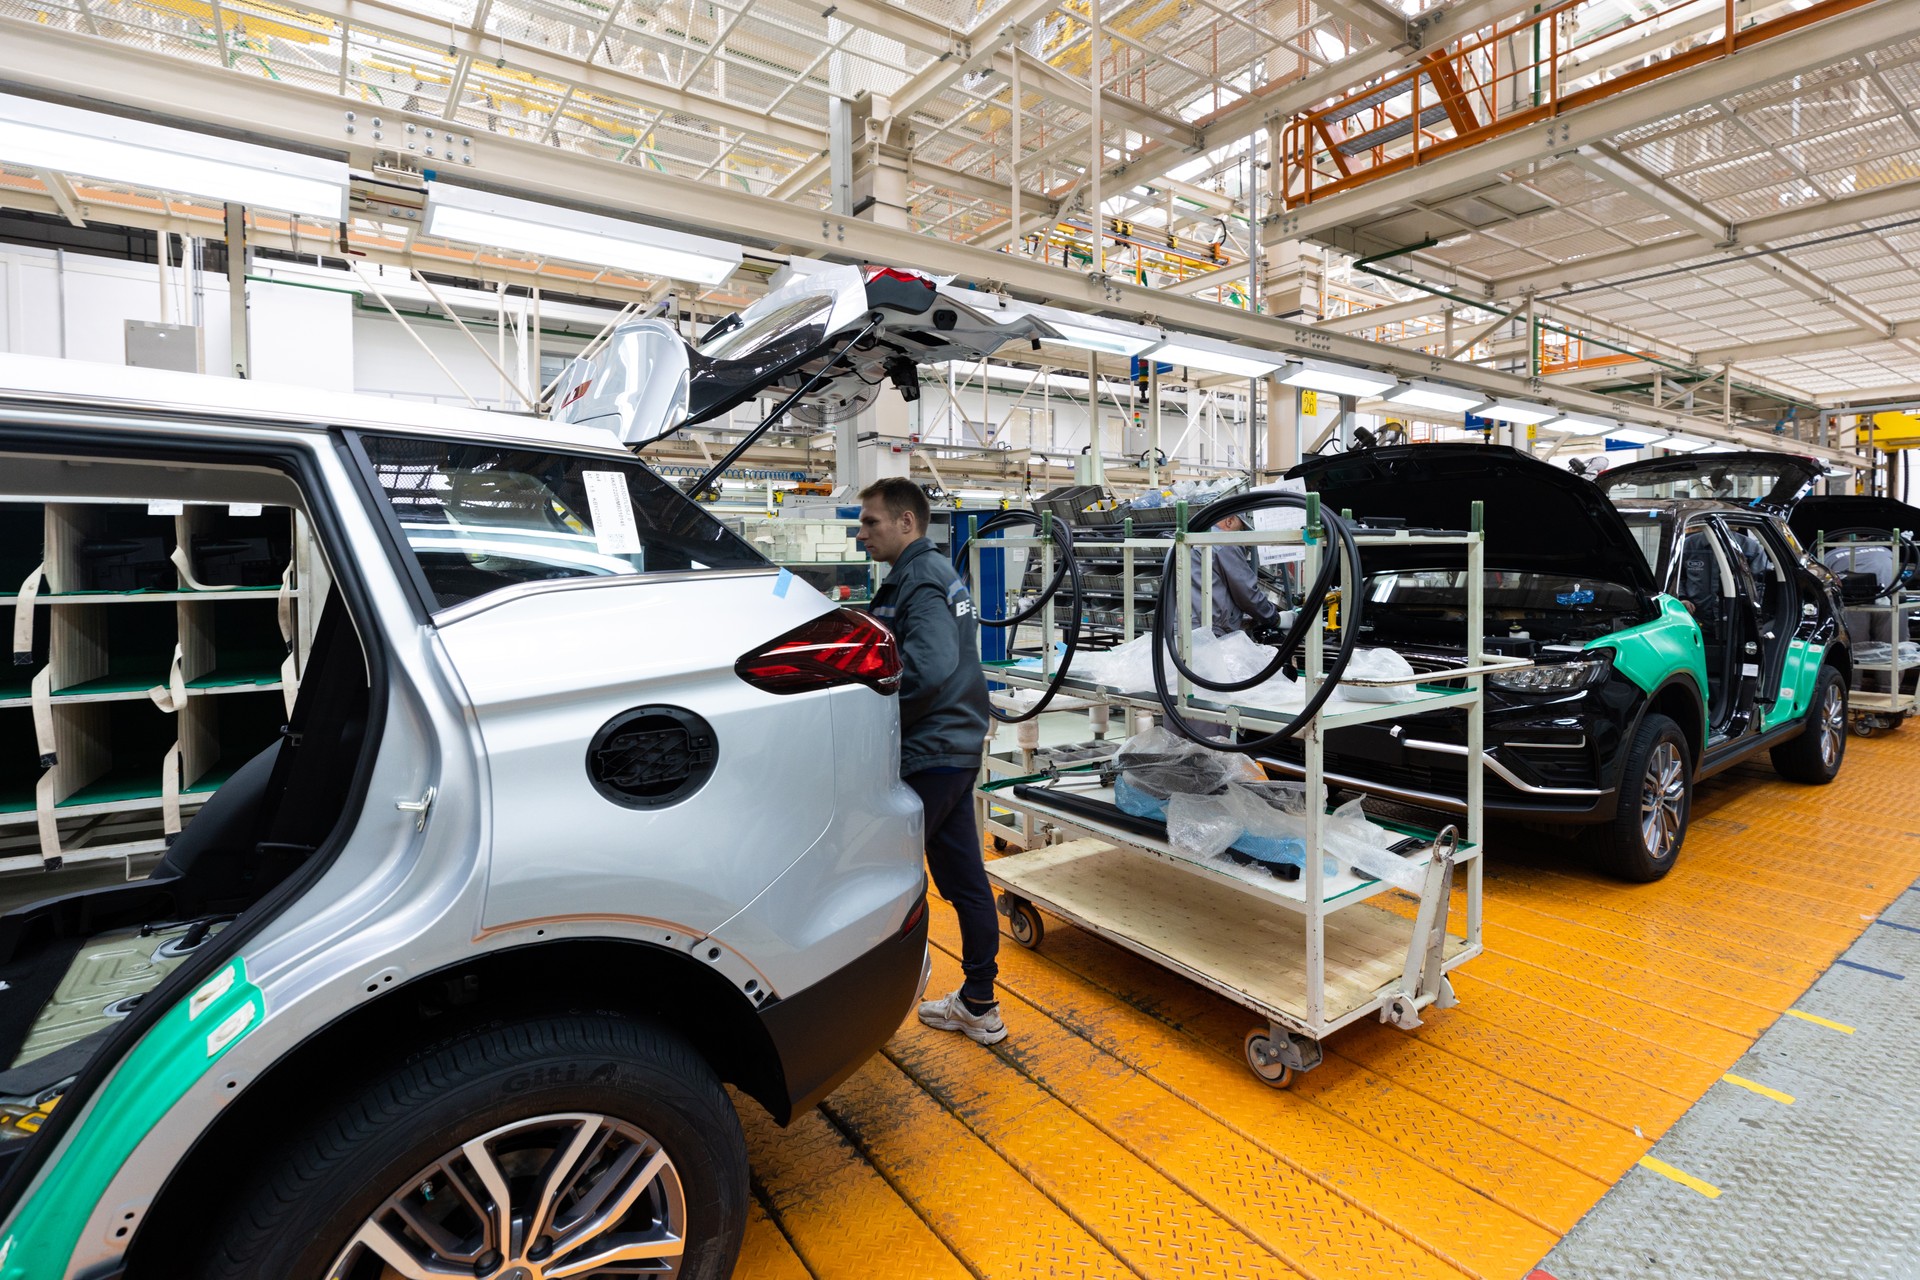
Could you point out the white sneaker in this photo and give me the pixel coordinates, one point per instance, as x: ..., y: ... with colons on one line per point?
x: 950, y: 1013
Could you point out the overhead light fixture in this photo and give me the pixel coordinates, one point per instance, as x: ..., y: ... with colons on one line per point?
x: 1115, y: 341
x: 1338, y: 379
x: 526, y: 226
x: 1520, y: 412
x: 1215, y: 357
x: 1636, y: 435
x: 1434, y: 395
x: 92, y: 144
x: 1584, y: 424
x: 1683, y: 444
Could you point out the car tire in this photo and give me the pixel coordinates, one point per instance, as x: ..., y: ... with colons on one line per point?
x: 1643, y: 840
x: 642, y: 1116
x: 1814, y: 755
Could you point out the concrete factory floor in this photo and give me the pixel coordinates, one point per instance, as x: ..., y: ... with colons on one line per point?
x: 1118, y: 1132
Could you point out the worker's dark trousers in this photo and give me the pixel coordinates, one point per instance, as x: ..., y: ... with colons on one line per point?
x: 960, y: 872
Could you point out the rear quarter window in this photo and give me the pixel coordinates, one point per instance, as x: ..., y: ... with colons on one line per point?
x: 478, y: 518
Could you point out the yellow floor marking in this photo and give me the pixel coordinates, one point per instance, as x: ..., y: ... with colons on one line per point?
x: 765, y: 1253
x: 1680, y: 1176
x: 1815, y: 1018
x: 1761, y: 1089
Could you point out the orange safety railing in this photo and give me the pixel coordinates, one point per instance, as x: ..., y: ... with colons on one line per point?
x: 1506, y: 77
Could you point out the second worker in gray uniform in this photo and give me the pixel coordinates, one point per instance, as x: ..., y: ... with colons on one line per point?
x: 1239, y: 603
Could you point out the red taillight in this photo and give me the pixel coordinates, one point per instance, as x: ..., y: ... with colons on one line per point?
x: 835, y: 648
x: 895, y: 273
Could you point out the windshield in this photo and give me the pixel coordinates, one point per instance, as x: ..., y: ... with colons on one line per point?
x: 1649, y: 532
x: 480, y: 517
x: 1746, y: 481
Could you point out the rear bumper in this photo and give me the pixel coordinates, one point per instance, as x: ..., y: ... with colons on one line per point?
x: 823, y: 1033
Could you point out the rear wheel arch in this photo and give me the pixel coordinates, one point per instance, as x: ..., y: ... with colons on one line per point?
x: 641, y: 980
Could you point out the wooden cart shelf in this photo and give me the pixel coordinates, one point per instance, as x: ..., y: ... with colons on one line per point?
x: 1214, y: 934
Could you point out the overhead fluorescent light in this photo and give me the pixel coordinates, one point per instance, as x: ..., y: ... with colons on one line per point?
x: 1636, y: 435
x: 1518, y: 411
x: 1215, y: 357
x: 1583, y: 424
x: 1109, y: 341
x: 1337, y: 379
x: 526, y: 226
x: 1434, y: 395
x: 92, y: 144
x: 1683, y: 444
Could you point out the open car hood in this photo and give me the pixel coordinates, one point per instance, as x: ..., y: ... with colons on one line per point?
x: 1538, y: 518
x: 647, y: 381
x: 1764, y: 481
x: 1819, y: 513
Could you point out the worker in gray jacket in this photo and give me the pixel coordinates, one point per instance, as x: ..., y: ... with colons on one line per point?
x: 1238, y: 602
x: 943, y: 732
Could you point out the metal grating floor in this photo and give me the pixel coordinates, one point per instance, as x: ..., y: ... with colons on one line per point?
x: 1116, y: 1131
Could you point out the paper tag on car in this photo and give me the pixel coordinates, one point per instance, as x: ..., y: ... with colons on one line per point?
x: 244, y: 508
x: 165, y: 507
x: 1749, y: 669
x: 1269, y: 518
x: 611, y: 504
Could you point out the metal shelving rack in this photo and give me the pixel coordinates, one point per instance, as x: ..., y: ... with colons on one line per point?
x: 1872, y: 710
x: 130, y: 705
x: 1309, y: 956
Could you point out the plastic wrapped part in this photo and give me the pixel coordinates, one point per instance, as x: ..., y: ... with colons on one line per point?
x: 1161, y: 764
x: 1352, y: 839
x: 1222, y: 658
x: 1878, y: 653
x: 1378, y: 664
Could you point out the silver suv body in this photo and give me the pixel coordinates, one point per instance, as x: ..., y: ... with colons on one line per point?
x: 582, y: 809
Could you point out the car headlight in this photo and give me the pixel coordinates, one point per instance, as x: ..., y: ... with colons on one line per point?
x: 1557, y: 677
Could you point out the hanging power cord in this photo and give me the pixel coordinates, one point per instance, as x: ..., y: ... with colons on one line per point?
x: 1306, y: 621
x: 1067, y: 571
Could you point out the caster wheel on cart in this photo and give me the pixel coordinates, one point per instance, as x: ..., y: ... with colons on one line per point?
x: 1864, y: 728
x: 1264, y: 1061
x: 999, y: 844
x: 1023, y: 921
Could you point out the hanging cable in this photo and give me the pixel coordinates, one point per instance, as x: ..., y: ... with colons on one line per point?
x: 1305, y: 626
x: 1067, y: 571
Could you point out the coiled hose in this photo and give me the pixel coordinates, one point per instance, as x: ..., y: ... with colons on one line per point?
x: 1066, y: 571
x: 1305, y: 624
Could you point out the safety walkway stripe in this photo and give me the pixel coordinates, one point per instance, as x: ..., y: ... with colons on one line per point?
x: 842, y: 1218
x: 1157, y: 1070
x: 1765, y: 1091
x: 1154, y: 1226
x: 1817, y: 1020
x: 765, y: 1254
x: 989, y: 1213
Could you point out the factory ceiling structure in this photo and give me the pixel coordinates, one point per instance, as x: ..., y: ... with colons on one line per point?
x: 1704, y: 210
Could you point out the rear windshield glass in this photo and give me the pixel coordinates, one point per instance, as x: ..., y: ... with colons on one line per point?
x: 479, y: 517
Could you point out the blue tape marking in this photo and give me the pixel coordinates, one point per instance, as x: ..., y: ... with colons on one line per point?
x: 1867, y: 968
x: 781, y: 583
x: 1891, y: 925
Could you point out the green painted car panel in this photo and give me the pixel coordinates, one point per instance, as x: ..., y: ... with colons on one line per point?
x: 1798, y: 676
x: 179, y: 1049
x: 1653, y: 652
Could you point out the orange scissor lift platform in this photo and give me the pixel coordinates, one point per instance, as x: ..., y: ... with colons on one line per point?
x: 1117, y: 1131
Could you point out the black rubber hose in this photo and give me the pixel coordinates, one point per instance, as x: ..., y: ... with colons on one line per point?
x: 1068, y: 571
x: 1305, y: 622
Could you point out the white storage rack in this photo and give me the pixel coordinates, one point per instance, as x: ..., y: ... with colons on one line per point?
x: 1871, y: 710
x: 1310, y: 955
